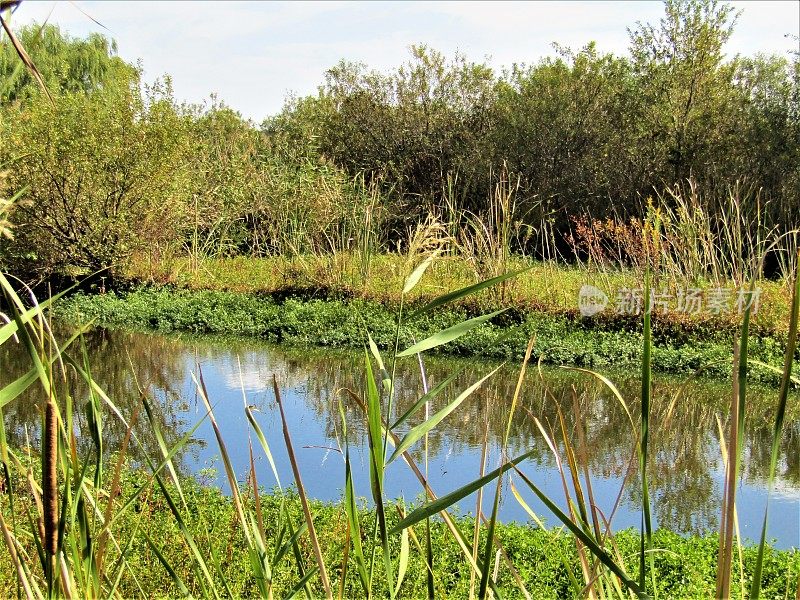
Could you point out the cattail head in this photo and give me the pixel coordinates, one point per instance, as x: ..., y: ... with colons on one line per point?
x: 50, y: 478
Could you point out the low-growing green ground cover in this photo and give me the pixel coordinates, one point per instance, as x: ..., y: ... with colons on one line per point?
x: 559, y: 338
x: 685, y: 566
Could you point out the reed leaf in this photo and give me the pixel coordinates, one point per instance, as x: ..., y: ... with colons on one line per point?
x: 644, y: 435
x: 199, y: 561
x: 413, y: 279
x: 780, y: 414
x: 733, y: 463
x: 423, y: 428
x: 23, y: 382
x: 27, y: 315
x: 612, y: 388
x: 351, y: 510
x: 465, y: 291
x: 386, y: 378
x: 312, y: 533
x: 483, y: 588
x: 450, y: 334
x: 11, y: 545
x: 168, y: 567
x: 301, y: 584
x: 377, y: 453
x: 587, y: 540
x: 424, y: 399
x: 402, y: 560
x: 264, y: 445
x: 443, y: 502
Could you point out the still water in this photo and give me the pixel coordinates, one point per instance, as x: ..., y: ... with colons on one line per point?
x: 686, y: 467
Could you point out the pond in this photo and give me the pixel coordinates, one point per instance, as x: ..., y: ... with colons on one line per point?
x: 686, y: 467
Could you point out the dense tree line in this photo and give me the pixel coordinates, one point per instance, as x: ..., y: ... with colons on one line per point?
x: 112, y: 166
x: 586, y: 131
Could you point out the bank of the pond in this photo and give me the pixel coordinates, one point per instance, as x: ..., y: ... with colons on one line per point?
x: 545, y: 559
x: 559, y: 339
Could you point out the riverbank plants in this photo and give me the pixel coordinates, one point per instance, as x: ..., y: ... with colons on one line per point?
x: 61, y: 511
x: 77, y: 520
x: 520, y: 162
x: 612, y: 343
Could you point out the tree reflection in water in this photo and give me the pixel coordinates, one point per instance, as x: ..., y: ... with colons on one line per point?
x: 685, y: 444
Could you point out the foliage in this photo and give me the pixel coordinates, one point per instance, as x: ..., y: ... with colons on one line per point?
x: 99, y: 172
x: 337, y: 324
x: 67, y: 65
x: 355, y: 167
x: 685, y: 568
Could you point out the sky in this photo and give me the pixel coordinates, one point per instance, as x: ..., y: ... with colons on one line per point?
x: 254, y: 54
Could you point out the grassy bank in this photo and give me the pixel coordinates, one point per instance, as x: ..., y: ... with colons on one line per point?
x: 560, y: 337
x: 545, y: 559
x: 550, y: 287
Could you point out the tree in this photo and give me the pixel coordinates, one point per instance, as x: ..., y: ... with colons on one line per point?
x: 413, y: 128
x: 103, y: 174
x: 685, y: 86
x: 562, y: 125
x: 67, y: 64
x: 224, y: 169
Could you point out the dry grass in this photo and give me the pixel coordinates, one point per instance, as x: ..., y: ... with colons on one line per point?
x: 550, y: 287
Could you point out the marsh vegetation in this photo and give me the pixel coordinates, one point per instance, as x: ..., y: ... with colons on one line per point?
x: 442, y: 206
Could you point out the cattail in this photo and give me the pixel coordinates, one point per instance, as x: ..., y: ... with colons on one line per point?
x: 50, y: 479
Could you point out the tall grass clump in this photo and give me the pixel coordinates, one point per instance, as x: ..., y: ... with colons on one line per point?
x: 691, y: 239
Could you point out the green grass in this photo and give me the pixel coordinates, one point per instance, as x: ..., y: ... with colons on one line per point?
x: 560, y: 338
x: 549, y: 287
x: 685, y: 567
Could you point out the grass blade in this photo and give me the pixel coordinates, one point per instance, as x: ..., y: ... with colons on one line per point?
x: 402, y: 561
x: 450, y: 334
x: 644, y: 436
x: 351, y: 510
x: 426, y: 397
x: 413, y: 279
x: 465, y: 291
x: 783, y: 395
x: 423, y: 428
x: 587, y: 540
x: 438, y: 505
x: 312, y: 533
x: 377, y: 453
x: 264, y: 445
x: 488, y: 549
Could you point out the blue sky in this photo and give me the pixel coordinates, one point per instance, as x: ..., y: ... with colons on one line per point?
x: 252, y: 54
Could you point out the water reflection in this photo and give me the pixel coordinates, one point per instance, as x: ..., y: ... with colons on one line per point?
x: 686, y: 471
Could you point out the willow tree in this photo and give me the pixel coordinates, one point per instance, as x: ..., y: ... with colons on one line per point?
x: 67, y: 64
